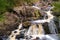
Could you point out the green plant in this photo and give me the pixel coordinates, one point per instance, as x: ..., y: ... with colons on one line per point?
x: 2, y: 17
x: 57, y: 7
x: 4, y: 5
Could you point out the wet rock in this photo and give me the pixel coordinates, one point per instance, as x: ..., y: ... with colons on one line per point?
x: 10, y: 23
x: 46, y: 29
x: 1, y: 39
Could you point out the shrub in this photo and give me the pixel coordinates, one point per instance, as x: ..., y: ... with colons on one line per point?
x: 57, y: 7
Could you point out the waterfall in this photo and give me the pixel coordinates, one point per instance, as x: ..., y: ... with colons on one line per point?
x: 15, y: 33
x: 52, y: 27
x: 36, y: 29
x: 59, y: 22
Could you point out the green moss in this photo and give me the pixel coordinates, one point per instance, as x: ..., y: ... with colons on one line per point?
x: 4, y: 4
x: 37, y: 13
x: 2, y: 17
x: 57, y: 7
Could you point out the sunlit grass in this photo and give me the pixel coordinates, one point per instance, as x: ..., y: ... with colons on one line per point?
x: 57, y: 6
x: 2, y: 17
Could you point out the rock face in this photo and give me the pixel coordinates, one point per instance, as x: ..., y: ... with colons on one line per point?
x: 10, y: 23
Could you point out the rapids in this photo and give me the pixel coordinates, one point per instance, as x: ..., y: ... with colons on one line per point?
x: 36, y: 31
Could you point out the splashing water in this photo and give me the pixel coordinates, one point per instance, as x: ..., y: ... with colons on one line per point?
x: 52, y: 27
x: 51, y: 24
x: 35, y: 31
x: 14, y: 33
x: 50, y: 16
x: 45, y: 37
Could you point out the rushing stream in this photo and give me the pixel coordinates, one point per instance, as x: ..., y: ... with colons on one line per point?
x: 37, y: 32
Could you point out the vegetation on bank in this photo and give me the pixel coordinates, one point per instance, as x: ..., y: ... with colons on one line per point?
x: 2, y: 17
x: 5, y: 5
x: 57, y: 6
x: 56, y: 10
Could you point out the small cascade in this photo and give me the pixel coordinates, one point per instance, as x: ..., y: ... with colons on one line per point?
x: 36, y: 30
x: 59, y: 22
x: 14, y: 33
x: 52, y: 27
x: 51, y: 24
x: 41, y: 28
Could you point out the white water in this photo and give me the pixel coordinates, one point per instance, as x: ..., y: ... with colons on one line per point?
x: 33, y: 30
x: 52, y: 27
x: 43, y: 37
x: 14, y: 33
x: 34, y: 34
x: 51, y: 24
x: 50, y: 16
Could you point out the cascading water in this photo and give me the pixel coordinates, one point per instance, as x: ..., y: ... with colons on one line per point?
x: 37, y: 31
x: 52, y: 27
x: 15, y: 33
x: 51, y: 24
x: 50, y: 21
x: 59, y: 22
